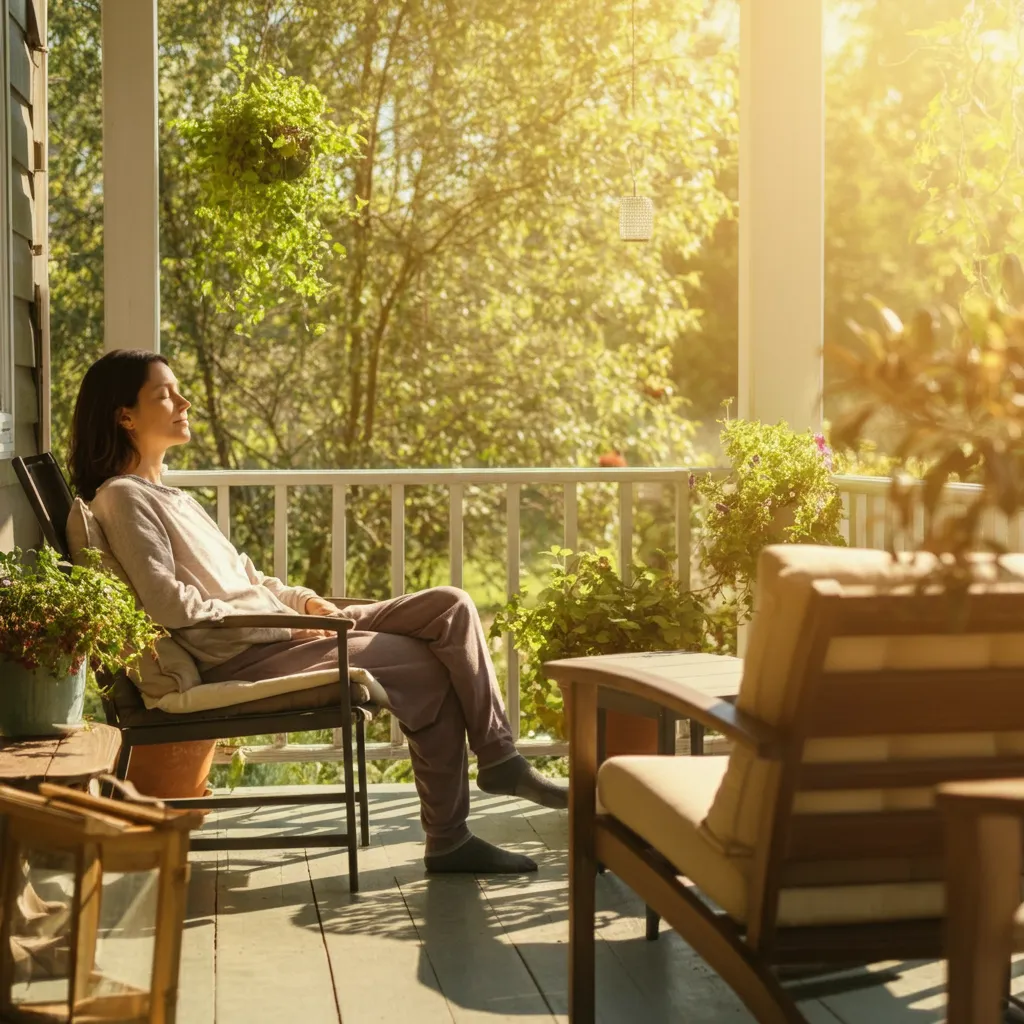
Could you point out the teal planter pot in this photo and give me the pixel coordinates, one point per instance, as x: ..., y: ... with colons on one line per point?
x: 33, y: 703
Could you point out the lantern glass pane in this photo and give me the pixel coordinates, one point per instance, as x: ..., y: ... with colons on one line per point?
x: 40, y: 942
x: 126, y: 936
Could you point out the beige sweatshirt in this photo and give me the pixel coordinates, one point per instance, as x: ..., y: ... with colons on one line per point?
x: 186, y: 571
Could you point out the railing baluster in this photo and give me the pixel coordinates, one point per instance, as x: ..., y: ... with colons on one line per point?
x: 339, y: 540
x: 625, y: 530
x: 397, y: 569
x: 397, y: 540
x: 571, y: 517
x: 224, y: 509
x: 512, y: 556
x: 1014, y: 532
x: 855, y: 519
x: 455, y: 552
x: 683, y: 539
x: 281, y: 532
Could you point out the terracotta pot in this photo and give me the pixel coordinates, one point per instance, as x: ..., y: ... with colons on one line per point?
x: 170, y: 770
x: 625, y: 734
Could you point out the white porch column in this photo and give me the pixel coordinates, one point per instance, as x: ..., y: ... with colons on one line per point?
x: 131, y: 243
x: 782, y: 213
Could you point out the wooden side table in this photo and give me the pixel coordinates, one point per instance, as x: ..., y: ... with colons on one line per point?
x: 70, y: 760
x: 716, y: 675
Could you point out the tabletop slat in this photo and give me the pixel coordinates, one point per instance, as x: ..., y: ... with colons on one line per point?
x: 81, y: 754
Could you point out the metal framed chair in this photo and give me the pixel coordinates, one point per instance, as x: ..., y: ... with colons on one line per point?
x: 323, y: 707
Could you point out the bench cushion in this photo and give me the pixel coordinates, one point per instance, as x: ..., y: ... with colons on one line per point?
x: 664, y: 800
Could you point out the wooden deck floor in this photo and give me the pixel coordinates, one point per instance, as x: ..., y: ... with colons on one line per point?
x: 276, y: 936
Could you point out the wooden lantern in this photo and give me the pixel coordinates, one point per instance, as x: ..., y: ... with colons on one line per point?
x: 92, y: 905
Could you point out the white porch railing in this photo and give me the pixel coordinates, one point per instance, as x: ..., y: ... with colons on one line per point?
x: 456, y: 481
x: 867, y: 524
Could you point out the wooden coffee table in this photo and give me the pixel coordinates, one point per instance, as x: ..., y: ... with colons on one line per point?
x: 70, y: 760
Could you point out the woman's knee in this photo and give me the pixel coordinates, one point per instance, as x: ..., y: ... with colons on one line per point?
x: 454, y: 597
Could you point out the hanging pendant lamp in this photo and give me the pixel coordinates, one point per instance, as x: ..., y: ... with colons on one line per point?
x: 636, y: 213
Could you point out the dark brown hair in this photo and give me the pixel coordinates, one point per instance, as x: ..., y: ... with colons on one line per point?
x: 100, y: 446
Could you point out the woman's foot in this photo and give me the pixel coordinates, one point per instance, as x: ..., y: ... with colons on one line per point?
x: 477, y: 857
x: 517, y: 777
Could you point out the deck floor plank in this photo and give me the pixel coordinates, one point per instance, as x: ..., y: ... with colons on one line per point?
x: 199, y: 943
x: 381, y: 972
x: 271, y: 960
x: 481, y: 973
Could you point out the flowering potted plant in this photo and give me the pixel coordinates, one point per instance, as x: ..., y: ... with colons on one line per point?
x: 779, y: 491
x: 54, y: 624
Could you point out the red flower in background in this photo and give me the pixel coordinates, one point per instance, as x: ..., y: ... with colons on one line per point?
x: 613, y: 459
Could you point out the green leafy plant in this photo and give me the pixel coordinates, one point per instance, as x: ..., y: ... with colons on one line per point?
x: 586, y: 608
x: 779, y: 491
x: 267, y: 155
x: 54, y: 620
x: 949, y: 386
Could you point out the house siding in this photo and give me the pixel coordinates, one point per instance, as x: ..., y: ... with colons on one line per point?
x: 26, y: 20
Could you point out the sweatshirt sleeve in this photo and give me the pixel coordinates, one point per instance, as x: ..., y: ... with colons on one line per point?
x: 139, y: 542
x: 294, y: 597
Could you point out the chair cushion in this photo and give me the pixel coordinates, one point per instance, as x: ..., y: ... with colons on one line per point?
x: 132, y: 711
x: 664, y: 800
x: 172, y: 669
x: 786, y: 574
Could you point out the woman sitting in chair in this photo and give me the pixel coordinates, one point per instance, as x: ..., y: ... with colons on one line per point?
x: 427, y: 649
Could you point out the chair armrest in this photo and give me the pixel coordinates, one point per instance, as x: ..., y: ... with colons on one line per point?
x: 983, y: 796
x: 275, y: 621
x: 685, y: 701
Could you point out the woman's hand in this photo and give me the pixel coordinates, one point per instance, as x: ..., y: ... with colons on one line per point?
x: 316, y: 606
x: 321, y: 606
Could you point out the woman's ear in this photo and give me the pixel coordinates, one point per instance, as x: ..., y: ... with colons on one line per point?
x: 124, y: 419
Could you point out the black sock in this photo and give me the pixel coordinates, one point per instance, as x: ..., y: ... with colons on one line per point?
x: 517, y: 777
x: 476, y: 856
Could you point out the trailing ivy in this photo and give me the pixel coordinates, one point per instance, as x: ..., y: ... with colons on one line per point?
x: 269, y: 157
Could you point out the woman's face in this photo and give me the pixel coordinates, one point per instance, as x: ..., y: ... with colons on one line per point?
x: 159, y: 418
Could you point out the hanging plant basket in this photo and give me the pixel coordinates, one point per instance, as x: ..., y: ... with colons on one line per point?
x: 267, y: 157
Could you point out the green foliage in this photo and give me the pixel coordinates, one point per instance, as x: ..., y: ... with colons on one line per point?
x: 952, y: 387
x: 969, y: 151
x: 586, y: 608
x: 268, y: 156
x: 779, y: 491
x: 55, y: 620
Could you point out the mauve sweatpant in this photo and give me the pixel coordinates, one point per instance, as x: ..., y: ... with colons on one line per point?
x: 429, y: 653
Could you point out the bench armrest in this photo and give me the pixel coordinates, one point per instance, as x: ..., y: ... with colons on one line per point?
x: 685, y: 701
